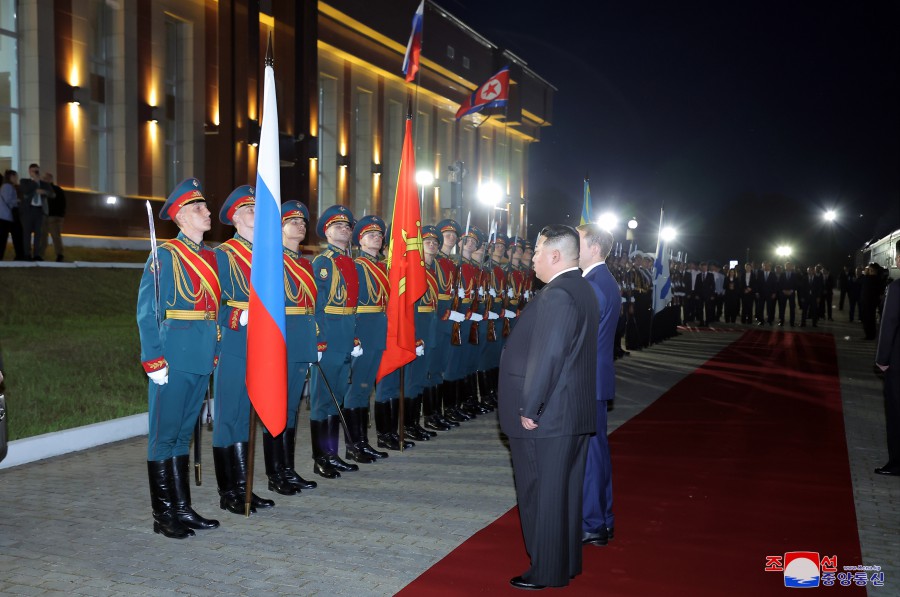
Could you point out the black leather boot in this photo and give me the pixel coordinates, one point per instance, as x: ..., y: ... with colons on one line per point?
x: 239, y: 472
x: 289, y: 439
x: 419, y: 401
x: 353, y: 449
x: 165, y: 521
x: 431, y: 411
x: 362, y: 422
x: 454, y: 395
x: 273, y: 454
x: 477, y: 391
x: 395, y: 424
x: 444, y: 404
x: 228, y: 499
x: 334, y: 435
x: 484, y: 390
x: 181, y: 501
x: 465, y: 398
x: 383, y: 427
x: 409, y: 421
x: 319, y: 433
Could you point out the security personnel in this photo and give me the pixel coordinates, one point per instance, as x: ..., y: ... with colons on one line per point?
x: 437, y: 395
x: 231, y: 431
x: 337, y: 288
x: 303, y: 345
x: 371, y: 329
x: 179, y: 349
x: 515, y: 279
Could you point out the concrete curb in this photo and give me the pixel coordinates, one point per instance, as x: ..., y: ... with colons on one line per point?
x: 30, y: 449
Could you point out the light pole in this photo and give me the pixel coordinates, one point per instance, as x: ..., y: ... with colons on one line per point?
x: 490, y: 194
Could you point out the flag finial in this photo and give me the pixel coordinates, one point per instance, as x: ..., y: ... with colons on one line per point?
x: 270, y: 55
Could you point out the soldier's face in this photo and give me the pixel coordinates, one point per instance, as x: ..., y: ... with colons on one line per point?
x: 371, y: 241
x: 294, y: 229
x: 450, y: 238
x: 431, y: 246
x: 338, y: 234
x: 194, y: 217
x: 244, y: 217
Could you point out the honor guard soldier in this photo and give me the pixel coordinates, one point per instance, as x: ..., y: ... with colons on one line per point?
x: 449, y: 232
x: 303, y: 346
x: 337, y: 288
x: 527, y: 254
x: 472, y: 276
x: 231, y: 431
x: 371, y: 329
x: 515, y: 279
x: 177, y: 308
x: 421, y: 369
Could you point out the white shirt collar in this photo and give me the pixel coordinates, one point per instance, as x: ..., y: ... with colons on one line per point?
x: 591, y: 267
x: 558, y: 274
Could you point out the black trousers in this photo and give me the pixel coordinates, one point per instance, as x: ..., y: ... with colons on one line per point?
x: 549, y: 475
x: 892, y: 415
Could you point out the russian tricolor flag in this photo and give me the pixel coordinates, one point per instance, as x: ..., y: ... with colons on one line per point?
x: 414, y: 46
x: 266, y: 346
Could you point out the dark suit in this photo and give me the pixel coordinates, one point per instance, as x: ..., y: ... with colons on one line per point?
x: 548, y: 373
x: 888, y: 353
x: 768, y: 290
x: 748, y: 296
x: 705, y: 289
x: 786, y: 295
x: 597, y: 495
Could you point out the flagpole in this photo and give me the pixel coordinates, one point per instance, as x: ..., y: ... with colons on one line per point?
x: 251, y: 449
x: 402, y: 400
x: 653, y: 287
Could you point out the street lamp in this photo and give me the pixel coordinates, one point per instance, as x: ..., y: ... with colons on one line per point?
x: 632, y: 224
x: 424, y: 178
x: 668, y: 234
x: 490, y: 193
x: 783, y: 251
x: 830, y: 215
x: 607, y: 220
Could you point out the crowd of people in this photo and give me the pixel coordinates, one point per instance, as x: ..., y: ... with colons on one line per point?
x: 32, y: 211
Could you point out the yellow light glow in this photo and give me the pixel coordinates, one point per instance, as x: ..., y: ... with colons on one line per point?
x: 215, y: 115
x: 73, y: 113
x: 74, y: 79
x: 151, y: 97
x: 154, y: 132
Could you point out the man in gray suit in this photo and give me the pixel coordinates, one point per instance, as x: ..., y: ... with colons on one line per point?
x: 887, y: 359
x: 548, y: 385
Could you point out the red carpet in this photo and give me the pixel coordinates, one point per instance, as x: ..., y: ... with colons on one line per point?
x: 744, y: 458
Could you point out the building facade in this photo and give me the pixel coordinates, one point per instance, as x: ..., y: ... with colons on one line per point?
x: 122, y: 99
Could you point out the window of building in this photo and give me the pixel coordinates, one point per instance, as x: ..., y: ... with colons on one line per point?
x: 450, y: 52
x: 393, y: 147
x: 328, y: 149
x: 174, y: 90
x: 424, y: 161
x: 465, y: 62
x: 100, y: 84
x: 9, y: 87
x: 361, y: 153
x: 444, y: 157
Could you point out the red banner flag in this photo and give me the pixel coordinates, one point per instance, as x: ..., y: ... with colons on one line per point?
x: 406, y: 268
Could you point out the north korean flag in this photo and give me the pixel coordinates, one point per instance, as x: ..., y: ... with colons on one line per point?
x: 493, y: 93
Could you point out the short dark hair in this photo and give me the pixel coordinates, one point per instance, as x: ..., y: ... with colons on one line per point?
x: 562, y: 237
x: 34, y: 166
x: 9, y: 174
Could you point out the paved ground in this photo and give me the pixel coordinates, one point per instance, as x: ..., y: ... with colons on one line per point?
x: 80, y: 524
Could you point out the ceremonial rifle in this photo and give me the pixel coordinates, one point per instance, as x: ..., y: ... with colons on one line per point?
x: 506, y: 298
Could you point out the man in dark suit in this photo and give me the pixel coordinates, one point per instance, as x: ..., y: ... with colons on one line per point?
x: 786, y: 293
x: 547, y: 402
x: 748, y: 293
x: 887, y: 359
x: 597, y: 520
x: 705, y: 289
x: 812, y: 287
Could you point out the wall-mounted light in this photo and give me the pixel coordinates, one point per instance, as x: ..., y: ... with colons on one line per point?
x: 210, y: 128
x: 253, y: 132
x: 75, y: 95
x: 112, y: 200
x: 312, y: 147
x: 344, y: 161
x: 377, y: 168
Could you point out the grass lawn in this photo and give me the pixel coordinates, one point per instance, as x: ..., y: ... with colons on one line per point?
x: 89, y: 254
x: 70, y: 347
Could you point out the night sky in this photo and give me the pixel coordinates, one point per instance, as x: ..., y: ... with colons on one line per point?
x: 747, y: 119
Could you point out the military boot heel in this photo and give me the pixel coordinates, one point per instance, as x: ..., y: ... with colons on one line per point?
x: 181, y: 502
x: 164, y: 520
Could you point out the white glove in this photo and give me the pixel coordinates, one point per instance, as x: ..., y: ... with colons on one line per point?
x: 320, y: 357
x: 420, y: 351
x: 493, y: 293
x: 245, y: 315
x: 356, y: 352
x: 492, y: 315
x: 461, y: 293
x: 527, y: 294
x: 509, y: 314
x: 475, y: 317
x: 510, y: 293
x: 481, y: 291
x: 456, y: 316
x: 160, y: 377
